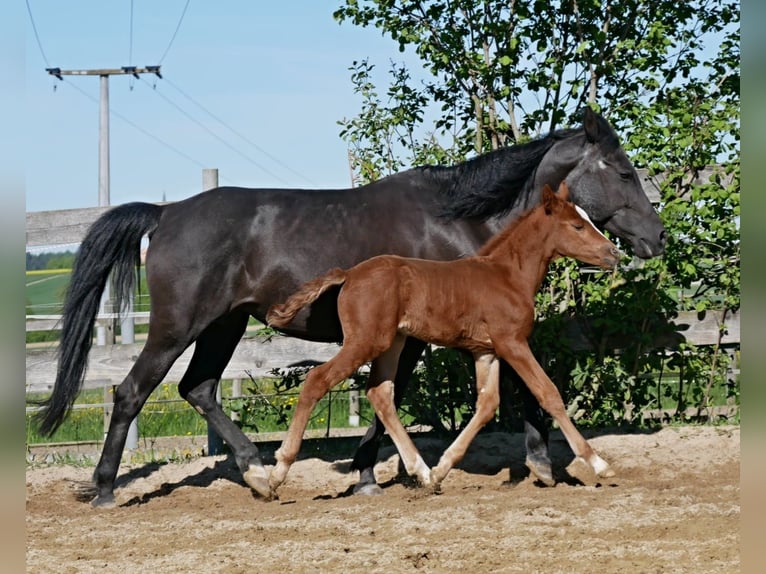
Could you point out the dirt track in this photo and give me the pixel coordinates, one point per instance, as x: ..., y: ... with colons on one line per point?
x: 674, y: 506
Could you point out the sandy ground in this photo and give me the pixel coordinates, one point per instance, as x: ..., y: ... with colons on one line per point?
x: 674, y: 506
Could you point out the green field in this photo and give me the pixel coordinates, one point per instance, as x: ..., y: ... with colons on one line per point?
x: 45, y: 291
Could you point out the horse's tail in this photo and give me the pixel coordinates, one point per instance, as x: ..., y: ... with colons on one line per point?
x: 281, y: 314
x: 112, y: 244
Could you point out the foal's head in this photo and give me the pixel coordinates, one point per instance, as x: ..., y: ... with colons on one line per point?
x: 573, y: 233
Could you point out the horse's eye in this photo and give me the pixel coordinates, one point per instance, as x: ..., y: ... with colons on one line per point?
x: 626, y: 176
x: 578, y: 226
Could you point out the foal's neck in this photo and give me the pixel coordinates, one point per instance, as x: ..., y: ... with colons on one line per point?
x: 523, y: 250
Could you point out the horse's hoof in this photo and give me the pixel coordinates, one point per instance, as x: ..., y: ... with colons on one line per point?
x: 103, y: 501
x: 541, y: 472
x: 257, y: 479
x: 368, y: 489
x: 435, y: 478
x: 608, y: 473
x: 601, y: 467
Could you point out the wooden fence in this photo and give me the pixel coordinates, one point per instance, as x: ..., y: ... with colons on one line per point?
x: 258, y: 355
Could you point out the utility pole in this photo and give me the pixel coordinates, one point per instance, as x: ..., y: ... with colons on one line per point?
x: 105, y: 332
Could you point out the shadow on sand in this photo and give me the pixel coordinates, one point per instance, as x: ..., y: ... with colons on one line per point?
x: 489, y: 454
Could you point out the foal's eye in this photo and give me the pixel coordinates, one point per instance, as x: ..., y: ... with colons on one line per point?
x: 578, y: 226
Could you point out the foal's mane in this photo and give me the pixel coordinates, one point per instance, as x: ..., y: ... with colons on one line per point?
x: 489, y: 184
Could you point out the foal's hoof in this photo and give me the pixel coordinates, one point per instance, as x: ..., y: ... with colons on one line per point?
x: 367, y: 489
x: 435, y: 478
x: 257, y: 479
x: 601, y: 467
x: 608, y: 473
x: 541, y: 472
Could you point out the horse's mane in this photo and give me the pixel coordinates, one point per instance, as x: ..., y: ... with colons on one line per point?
x: 489, y: 184
x: 500, y: 238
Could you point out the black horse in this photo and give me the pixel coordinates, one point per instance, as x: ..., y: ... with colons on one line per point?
x: 223, y: 255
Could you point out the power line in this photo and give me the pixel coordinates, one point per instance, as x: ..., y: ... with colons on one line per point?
x: 139, y: 128
x: 37, y: 37
x: 238, y: 134
x: 178, y: 27
x: 216, y: 136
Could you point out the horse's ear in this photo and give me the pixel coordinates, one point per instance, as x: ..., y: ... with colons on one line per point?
x: 563, y: 192
x: 549, y: 199
x: 591, y: 124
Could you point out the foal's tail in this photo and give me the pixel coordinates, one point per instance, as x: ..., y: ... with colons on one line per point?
x: 281, y: 314
x: 113, y: 243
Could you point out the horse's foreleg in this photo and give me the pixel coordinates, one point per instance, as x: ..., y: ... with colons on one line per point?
x: 536, y: 424
x: 488, y: 399
x: 520, y: 357
x: 317, y: 384
x: 367, y: 453
x: 380, y: 393
x: 538, y: 459
x: 212, y: 352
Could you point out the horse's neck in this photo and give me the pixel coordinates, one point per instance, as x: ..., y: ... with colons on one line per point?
x: 554, y: 167
x: 557, y: 164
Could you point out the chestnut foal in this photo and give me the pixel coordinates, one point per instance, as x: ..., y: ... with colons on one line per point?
x: 483, y: 304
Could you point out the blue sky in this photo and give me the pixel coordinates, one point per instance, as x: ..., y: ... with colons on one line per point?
x: 277, y: 73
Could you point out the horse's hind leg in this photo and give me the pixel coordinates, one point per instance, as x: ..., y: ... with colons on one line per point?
x: 488, y: 398
x: 380, y: 393
x: 150, y: 368
x: 318, y: 382
x: 212, y: 352
x: 367, y: 452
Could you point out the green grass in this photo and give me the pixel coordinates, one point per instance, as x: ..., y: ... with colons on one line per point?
x: 166, y: 414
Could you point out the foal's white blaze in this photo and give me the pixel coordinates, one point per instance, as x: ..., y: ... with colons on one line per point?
x: 584, y: 215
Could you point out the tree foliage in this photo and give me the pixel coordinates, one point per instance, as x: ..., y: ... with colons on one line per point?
x: 48, y: 260
x: 666, y: 74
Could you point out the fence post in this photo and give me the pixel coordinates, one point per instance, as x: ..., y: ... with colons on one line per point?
x: 353, y: 407
x: 214, y: 442
x: 236, y: 393
x: 128, y: 337
x: 131, y: 442
x: 108, y: 407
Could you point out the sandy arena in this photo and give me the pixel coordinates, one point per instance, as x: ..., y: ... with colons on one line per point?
x: 673, y: 507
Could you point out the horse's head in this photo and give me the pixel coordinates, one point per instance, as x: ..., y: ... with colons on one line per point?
x: 605, y: 184
x: 574, y: 234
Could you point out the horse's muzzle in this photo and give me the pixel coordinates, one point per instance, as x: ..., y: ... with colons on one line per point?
x: 611, y: 257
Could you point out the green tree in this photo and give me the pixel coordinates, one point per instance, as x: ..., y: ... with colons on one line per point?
x: 665, y: 73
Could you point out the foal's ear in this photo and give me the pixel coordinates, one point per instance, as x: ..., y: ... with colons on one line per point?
x: 549, y: 199
x: 563, y: 192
